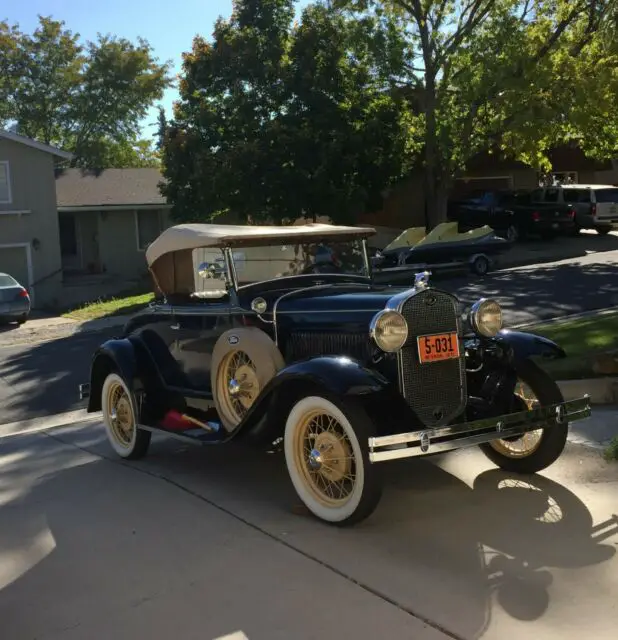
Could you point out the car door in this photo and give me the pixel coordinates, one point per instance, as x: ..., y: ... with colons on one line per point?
x: 195, y: 330
x: 180, y: 337
x: 606, y: 204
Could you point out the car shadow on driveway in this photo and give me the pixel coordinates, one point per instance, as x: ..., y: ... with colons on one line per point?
x: 461, y: 555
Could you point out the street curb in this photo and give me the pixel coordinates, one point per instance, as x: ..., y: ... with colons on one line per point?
x: 600, y: 390
x: 35, y: 425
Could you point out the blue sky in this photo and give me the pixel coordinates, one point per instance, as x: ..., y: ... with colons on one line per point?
x: 168, y: 26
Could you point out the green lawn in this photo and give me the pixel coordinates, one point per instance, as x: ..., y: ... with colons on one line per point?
x: 583, y: 340
x: 113, y: 307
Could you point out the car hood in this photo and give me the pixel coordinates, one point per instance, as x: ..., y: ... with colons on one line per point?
x: 337, y: 302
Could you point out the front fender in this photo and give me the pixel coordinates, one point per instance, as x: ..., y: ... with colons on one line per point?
x: 331, y: 375
x: 525, y: 345
x: 340, y: 375
x: 113, y: 355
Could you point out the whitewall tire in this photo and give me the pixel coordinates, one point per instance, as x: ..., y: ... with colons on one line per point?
x: 121, y: 419
x: 326, y: 453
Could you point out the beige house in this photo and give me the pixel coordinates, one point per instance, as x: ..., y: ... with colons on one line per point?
x: 29, y: 237
x: 107, y: 218
x: 70, y: 235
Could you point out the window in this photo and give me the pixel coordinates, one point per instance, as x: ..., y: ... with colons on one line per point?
x: 574, y: 196
x: 551, y: 195
x: 606, y: 195
x: 5, y: 183
x: 148, y: 228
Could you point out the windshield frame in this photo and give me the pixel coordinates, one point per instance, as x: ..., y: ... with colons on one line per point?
x: 232, y: 275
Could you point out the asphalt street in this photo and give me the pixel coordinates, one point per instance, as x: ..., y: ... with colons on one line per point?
x: 41, y: 379
x: 202, y: 543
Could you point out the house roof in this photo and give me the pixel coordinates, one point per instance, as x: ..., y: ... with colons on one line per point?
x: 108, y: 188
x: 29, y: 142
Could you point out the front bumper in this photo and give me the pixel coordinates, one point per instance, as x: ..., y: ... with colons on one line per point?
x: 457, y: 436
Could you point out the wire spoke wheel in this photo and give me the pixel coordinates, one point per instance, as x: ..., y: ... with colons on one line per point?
x: 238, y: 384
x: 121, y: 417
x: 325, y: 457
x: 529, y: 442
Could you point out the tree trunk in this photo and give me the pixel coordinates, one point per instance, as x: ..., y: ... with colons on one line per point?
x: 436, y: 186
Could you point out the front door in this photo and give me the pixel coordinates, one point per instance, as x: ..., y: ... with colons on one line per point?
x: 196, y: 330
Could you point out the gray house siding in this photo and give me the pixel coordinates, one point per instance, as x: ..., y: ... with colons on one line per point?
x: 29, y: 223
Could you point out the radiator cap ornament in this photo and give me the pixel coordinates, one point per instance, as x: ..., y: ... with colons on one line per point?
x: 421, y: 280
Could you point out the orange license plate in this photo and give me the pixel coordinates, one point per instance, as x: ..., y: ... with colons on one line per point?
x: 442, y: 346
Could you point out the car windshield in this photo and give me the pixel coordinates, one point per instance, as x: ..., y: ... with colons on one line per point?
x: 260, y: 264
x: 7, y: 281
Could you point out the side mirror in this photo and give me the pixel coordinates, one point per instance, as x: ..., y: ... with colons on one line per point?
x: 210, y: 270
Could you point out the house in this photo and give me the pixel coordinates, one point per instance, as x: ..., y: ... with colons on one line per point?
x: 71, y: 235
x: 404, y: 203
x: 106, y: 219
x: 29, y: 235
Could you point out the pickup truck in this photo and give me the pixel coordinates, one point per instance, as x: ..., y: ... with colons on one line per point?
x: 513, y: 214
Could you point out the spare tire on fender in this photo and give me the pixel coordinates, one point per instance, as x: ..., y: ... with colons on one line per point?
x: 244, y: 360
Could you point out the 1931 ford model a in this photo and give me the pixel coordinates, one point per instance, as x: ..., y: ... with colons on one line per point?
x: 280, y: 333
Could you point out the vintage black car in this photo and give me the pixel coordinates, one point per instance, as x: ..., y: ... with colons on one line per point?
x: 279, y: 334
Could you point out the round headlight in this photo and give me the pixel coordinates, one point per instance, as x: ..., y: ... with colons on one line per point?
x: 389, y: 330
x: 486, y: 317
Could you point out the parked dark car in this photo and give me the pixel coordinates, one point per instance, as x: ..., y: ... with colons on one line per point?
x: 514, y: 214
x: 255, y: 338
x: 14, y: 300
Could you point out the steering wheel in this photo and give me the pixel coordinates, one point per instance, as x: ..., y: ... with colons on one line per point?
x: 323, y: 267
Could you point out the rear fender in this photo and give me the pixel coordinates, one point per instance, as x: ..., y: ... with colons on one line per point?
x: 524, y: 346
x: 119, y: 355
x: 333, y: 376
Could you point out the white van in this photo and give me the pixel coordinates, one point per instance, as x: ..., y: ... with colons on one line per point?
x: 596, y: 205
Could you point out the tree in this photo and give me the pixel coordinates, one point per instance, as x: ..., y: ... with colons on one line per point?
x: 503, y: 76
x: 276, y: 121
x: 88, y: 99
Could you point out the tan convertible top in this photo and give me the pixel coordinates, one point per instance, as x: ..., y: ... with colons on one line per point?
x: 195, y: 236
x: 170, y: 256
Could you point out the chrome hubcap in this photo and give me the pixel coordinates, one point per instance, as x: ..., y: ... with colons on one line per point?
x: 315, y: 460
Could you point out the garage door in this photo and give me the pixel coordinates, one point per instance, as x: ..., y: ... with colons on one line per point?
x: 14, y: 261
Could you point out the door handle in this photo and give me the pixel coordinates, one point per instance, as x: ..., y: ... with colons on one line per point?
x: 175, y: 326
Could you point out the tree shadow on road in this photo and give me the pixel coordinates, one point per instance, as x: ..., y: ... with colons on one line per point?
x: 562, y: 248
x: 542, y: 292
x: 445, y: 550
x: 43, y: 379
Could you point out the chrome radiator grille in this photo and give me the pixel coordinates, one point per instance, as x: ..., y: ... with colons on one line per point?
x: 435, y: 391
x: 304, y: 344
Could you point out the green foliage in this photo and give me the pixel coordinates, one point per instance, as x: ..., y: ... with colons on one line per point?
x: 88, y: 99
x: 279, y: 120
x: 610, y: 452
x: 509, y: 77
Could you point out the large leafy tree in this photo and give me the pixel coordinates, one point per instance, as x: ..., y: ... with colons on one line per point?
x: 88, y: 99
x: 504, y: 76
x: 279, y: 120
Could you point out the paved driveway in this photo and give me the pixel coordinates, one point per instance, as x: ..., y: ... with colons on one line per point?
x: 199, y: 543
